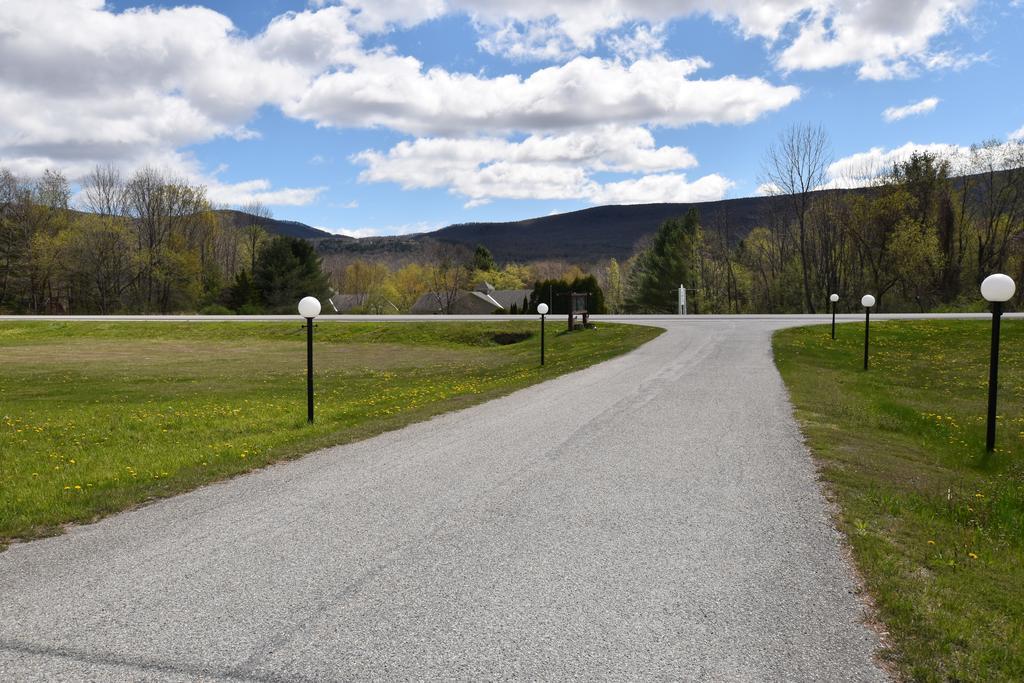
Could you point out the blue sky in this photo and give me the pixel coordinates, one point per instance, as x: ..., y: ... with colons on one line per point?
x: 378, y: 116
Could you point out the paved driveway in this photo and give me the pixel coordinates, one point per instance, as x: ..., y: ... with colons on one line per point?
x: 655, y: 516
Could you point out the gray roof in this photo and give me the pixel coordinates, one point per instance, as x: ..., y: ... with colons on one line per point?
x: 346, y: 302
x: 428, y: 303
x: 507, y: 297
x: 472, y: 301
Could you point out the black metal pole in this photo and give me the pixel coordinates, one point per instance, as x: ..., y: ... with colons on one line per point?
x: 309, y: 368
x: 542, y: 339
x: 833, y: 319
x: 993, y: 377
x: 867, y: 335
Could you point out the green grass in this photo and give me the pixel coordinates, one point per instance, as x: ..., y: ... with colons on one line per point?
x: 936, y: 525
x: 99, y: 417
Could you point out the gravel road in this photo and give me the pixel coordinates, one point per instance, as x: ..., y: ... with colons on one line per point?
x: 652, y: 517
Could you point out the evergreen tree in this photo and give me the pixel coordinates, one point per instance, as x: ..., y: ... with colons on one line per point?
x: 482, y: 259
x: 670, y: 261
x: 242, y: 293
x: 559, y: 290
x: 525, y: 309
x: 287, y: 270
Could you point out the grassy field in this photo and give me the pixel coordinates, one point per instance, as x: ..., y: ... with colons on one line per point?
x: 936, y: 525
x: 98, y: 417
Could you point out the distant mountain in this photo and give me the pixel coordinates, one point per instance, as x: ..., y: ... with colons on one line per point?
x: 601, y: 232
x: 584, y: 236
x: 240, y: 219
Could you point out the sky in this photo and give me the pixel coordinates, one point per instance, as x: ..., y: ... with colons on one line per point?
x: 374, y: 117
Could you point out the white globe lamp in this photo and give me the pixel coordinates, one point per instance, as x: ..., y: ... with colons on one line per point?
x: 309, y: 307
x: 998, y: 288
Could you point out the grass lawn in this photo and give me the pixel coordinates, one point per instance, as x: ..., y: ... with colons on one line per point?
x: 98, y: 417
x: 936, y: 525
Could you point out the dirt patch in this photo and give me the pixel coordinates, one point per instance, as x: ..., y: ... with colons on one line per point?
x: 507, y: 338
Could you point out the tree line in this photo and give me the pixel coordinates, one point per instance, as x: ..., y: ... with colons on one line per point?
x: 920, y: 235
x: 146, y: 243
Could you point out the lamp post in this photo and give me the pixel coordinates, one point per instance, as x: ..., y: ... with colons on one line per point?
x: 996, y: 288
x: 309, y: 308
x: 834, y: 299
x: 543, y: 310
x: 867, y: 301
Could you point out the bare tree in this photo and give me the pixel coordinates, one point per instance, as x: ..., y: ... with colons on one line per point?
x: 995, y: 190
x: 449, y: 273
x: 255, y: 231
x: 104, y: 192
x: 795, y: 166
x: 53, y: 190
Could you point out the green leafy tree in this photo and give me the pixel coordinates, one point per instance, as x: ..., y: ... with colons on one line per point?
x: 287, y: 270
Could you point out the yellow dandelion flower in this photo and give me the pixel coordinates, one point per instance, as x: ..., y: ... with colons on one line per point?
x: 972, y: 556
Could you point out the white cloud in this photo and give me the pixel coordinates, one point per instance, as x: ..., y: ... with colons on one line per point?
x: 84, y: 85
x: 644, y: 43
x: 864, y: 168
x: 1017, y: 134
x: 898, y: 113
x: 395, y: 92
x: 401, y: 229
x: 260, y: 190
x: 543, y: 167
x: 670, y: 187
x: 884, y: 39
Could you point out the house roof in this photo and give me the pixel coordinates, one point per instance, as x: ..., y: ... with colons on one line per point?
x: 427, y: 303
x: 346, y: 302
x: 499, y: 299
x: 488, y: 298
x: 506, y: 297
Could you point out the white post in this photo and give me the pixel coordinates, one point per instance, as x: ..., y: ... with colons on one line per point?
x: 682, y: 300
